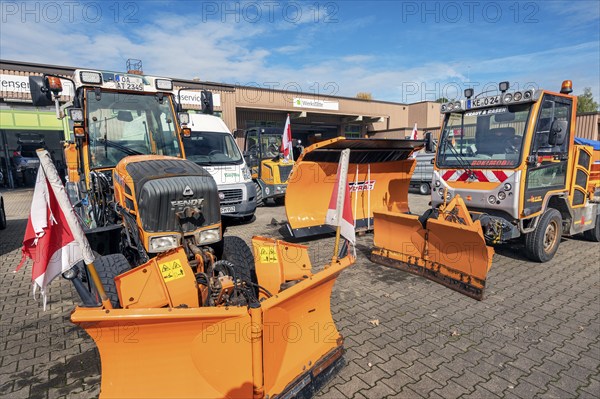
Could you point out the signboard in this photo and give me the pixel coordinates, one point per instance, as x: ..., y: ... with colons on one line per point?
x: 316, y: 104
x: 20, y: 84
x: 189, y: 97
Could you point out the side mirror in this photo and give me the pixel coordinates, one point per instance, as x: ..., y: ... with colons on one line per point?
x: 40, y: 94
x: 558, y: 132
x: 429, y: 146
x: 207, y: 102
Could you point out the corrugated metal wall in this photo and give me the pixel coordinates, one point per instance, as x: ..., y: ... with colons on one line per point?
x: 588, y: 126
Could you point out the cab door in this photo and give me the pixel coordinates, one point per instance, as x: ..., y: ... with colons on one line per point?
x: 547, y: 163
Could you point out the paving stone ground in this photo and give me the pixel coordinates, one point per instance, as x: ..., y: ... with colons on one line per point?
x: 536, y: 333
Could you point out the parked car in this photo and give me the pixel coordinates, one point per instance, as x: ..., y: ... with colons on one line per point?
x: 24, y: 160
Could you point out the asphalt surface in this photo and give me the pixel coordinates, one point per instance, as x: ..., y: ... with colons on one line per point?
x: 535, y: 334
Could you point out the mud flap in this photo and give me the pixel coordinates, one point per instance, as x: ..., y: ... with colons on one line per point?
x: 450, y: 250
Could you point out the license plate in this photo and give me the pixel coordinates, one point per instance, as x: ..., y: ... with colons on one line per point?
x: 227, y: 209
x: 484, y: 102
x: 129, y: 82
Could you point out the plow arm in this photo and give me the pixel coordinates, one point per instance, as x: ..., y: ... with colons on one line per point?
x: 379, y: 176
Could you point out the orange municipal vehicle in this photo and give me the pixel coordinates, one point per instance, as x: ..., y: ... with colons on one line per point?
x: 521, y: 174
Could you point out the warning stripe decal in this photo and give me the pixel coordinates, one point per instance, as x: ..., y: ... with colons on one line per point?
x: 486, y: 176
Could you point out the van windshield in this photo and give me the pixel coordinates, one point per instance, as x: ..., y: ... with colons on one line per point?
x: 212, y: 148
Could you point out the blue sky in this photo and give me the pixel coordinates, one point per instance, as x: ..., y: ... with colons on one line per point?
x: 399, y: 51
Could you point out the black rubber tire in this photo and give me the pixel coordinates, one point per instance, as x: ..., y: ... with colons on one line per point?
x: 279, y: 201
x: 424, y: 189
x: 535, y: 241
x: 593, y: 234
x: 108, y: 267
x: 2, y: 216
x: 259, y: 195
x: 236, y: 251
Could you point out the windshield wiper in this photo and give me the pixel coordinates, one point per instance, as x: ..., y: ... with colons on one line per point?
x: 119, y: 147
x: 461, y: 161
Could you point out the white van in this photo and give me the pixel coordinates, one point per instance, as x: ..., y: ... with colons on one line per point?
x: 212, y: 146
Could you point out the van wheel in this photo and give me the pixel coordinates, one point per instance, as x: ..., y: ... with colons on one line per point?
x: 259, y: 194
x: 424, y: 189
x: 593, y: 234
x: 109, y: 267
x: 542, y: 243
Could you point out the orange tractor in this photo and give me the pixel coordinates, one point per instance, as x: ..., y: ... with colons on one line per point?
x: 175, y: 309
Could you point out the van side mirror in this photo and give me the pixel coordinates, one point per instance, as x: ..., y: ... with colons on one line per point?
x: 558, y: 132
x: 429, y: 146
x: 40, y: 94
x: 207, y: 102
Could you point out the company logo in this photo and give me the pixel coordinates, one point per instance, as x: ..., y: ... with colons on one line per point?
x: 362, y: 186
x: 188, y: 191
x: 188, y: 202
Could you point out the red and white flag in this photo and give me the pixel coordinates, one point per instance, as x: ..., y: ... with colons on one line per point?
x: 339, y: 212
x: 414, y: 134
x: 286, y: 142
x: 54, y: 239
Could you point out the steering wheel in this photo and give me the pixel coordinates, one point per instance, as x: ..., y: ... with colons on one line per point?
x: 213, y: 152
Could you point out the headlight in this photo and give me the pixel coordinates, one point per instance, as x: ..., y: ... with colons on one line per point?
x: 448, y: 196
x: 508, y: 97
x: 210, y: 236
x: 441, y: 192
x: 437, y: 183
x: 507, y: 186
x: 501, y: 195
x: 164, y: 84
x: 246, y: 173
x: 492, y: 199
x: 164, y: 243
x: 90, y: 77
x: 76, y: 114
x: 518, y: 96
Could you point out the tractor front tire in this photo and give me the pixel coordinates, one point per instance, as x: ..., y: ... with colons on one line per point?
x: 259, y: 195
x: 109, y: 267
x: 236, y: 251
x: 593, y: 234
x: 542, y: 243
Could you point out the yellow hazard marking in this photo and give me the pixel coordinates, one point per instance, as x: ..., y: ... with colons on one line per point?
x: 171, y: 270
x: 268, y: 254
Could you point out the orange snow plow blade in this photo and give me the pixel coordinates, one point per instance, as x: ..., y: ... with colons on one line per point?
x: 379, y: 174
x: 275, y: 347
x: 443, y: 245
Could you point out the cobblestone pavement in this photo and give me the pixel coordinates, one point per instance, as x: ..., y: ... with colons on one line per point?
x: 536, y: 334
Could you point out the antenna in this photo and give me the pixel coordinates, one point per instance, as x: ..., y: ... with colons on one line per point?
x: 134, y: 66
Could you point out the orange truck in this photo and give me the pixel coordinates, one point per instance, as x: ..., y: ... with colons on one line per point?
x: 507, y: 166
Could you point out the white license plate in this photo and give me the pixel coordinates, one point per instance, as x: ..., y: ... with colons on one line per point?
x: 227, y: 209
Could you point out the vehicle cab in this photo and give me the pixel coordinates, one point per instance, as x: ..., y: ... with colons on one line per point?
x: 211, y: 145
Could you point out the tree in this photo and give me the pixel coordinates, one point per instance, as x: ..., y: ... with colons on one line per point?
x: 363, y: 95
x: 585, y: 102
x: 442, y: 100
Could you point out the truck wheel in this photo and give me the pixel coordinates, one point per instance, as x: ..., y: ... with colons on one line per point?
x: 593, y: 234
x: 542, y: 243
x: 259, y: 194
x: 236, y: 251
x: 2, y: 216
x: 108, y: 267
x: 424, y: 189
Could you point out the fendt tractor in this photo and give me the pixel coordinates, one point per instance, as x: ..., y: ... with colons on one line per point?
x: 507, y: 166
x: 270, y: 170
x: 208, y: 318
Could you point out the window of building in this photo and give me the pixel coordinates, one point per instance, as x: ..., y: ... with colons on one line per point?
x: 352, y: 131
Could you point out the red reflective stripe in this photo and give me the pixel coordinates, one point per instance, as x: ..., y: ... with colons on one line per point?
x: 448, y: 174
x: 463, y: 177
x: 500, y: 175
x: 480, y: 176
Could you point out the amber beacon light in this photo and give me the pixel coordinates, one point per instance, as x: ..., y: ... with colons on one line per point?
x: 566, y: 87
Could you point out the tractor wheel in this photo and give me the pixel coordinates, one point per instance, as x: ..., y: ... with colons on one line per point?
x: 542, y: 243
x: 2, y: 216
x: 109, y: 267
x: 424, y: 189
x: 236, y: 251
x: 593, y: 234
x: 259, y: 195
